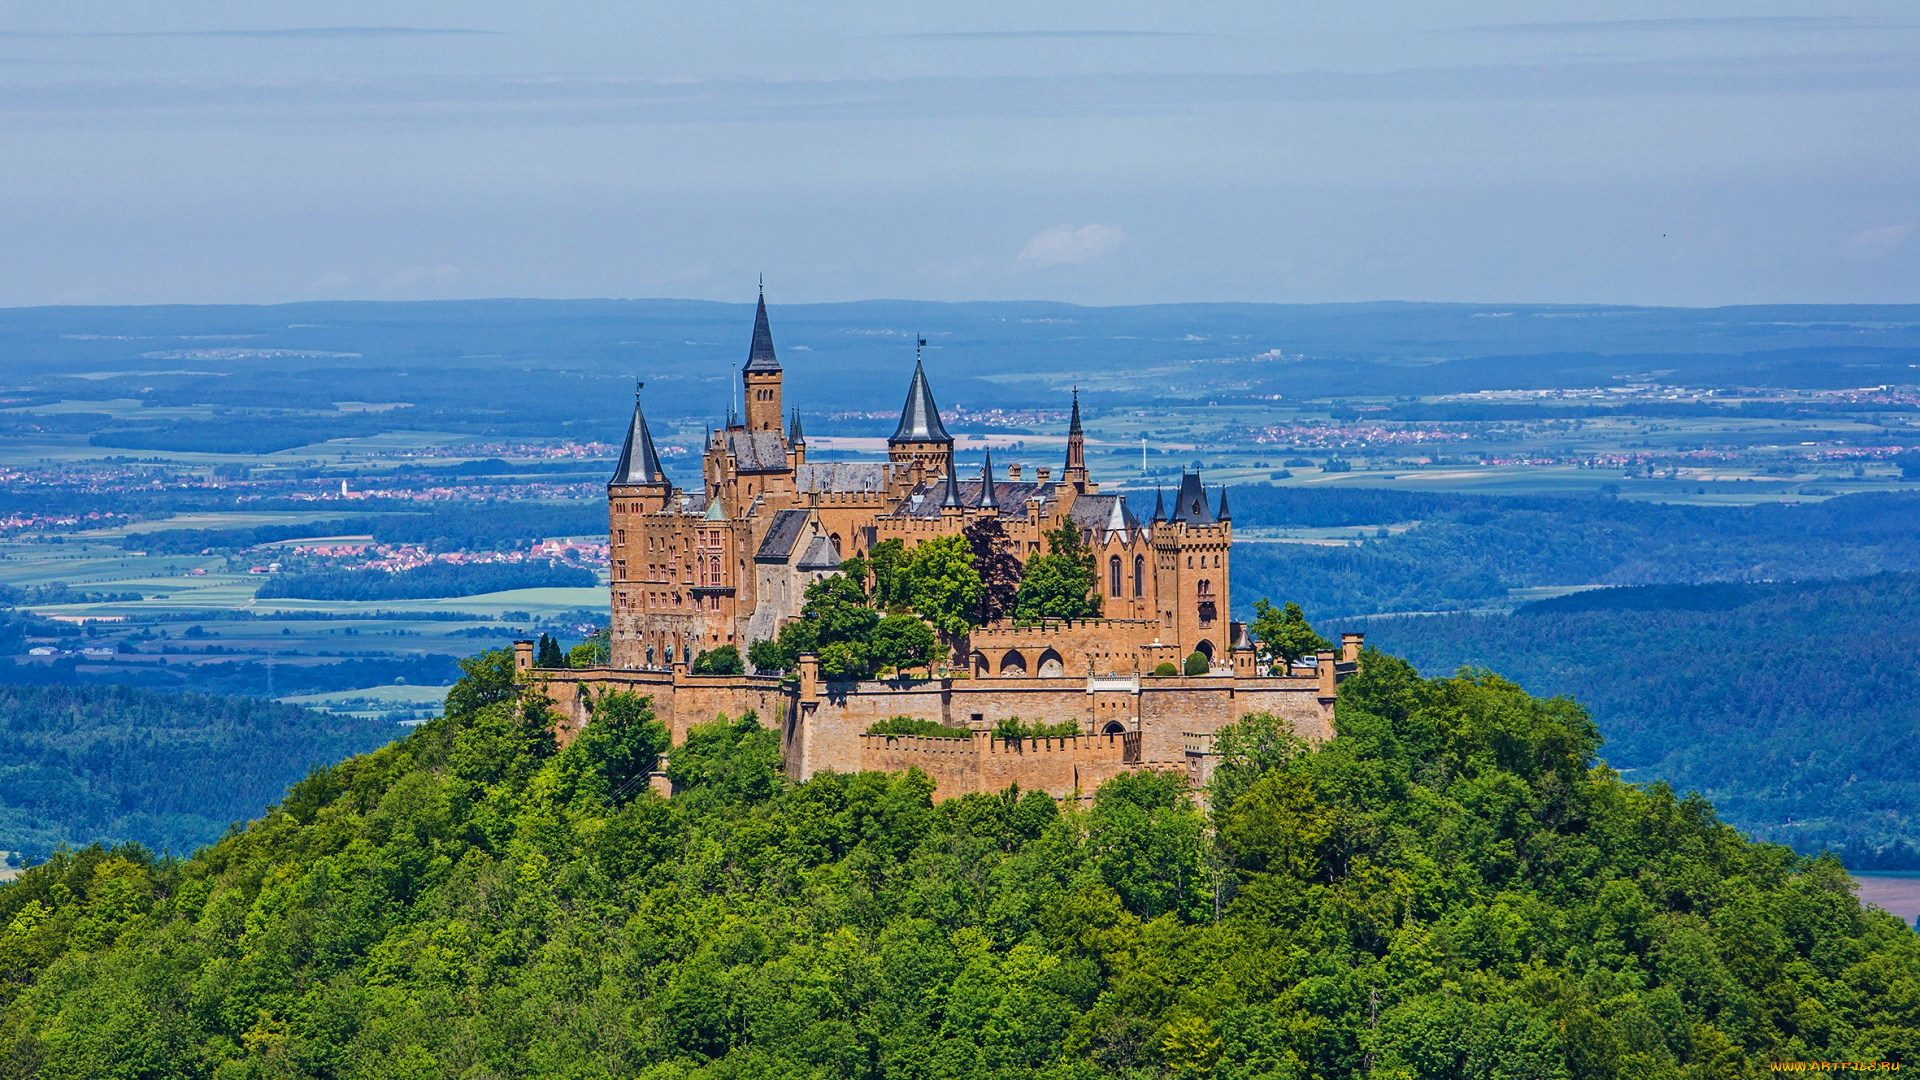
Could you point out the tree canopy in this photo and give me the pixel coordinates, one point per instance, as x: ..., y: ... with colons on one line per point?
x: 1453, y: 888
x: 1060, y: 584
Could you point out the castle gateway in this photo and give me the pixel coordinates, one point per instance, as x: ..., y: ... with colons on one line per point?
x: 727, y: 561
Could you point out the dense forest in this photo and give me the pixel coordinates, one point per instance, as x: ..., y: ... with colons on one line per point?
x: 1795, y: 707
x: 432, y: 580
x: 173, y: 771
x: 1469, y: 551
x: 1453, y: 888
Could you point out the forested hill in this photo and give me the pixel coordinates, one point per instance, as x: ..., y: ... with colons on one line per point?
x: 168, y: 770
x: 1451, y: 888
x: 1795, y: 706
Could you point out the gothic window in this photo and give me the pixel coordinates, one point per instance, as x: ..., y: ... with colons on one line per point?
x: 1206, y: 587
x: 620, y: 570
x: 1113, y: 576
x: 1139, y: 575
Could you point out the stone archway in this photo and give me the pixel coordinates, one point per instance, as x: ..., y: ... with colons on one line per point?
x: 1013, y: 664
x: 1205, y: 648
x: 978, y: 662
x: 1051, y: 666
x: 1114, y: 727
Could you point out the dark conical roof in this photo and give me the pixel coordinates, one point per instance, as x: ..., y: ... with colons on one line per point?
x: 760, y: 353
x: 639, y: 462
x: 1191, y: 503
x: 920, y: 417
x: 1073, y: 426
x: 953, y: 489
x: 793, y: 430
x: 1223, y: 515
x: 987, y: 496
x: 1159, y: 505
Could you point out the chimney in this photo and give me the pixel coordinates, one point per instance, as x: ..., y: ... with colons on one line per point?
x: 1013, y: 472
x: 1043, y: 474
x: 1350, y: 644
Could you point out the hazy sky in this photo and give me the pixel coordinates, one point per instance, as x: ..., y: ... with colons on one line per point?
x: 1644, y: 151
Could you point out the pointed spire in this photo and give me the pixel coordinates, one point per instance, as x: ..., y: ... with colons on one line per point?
x: 920, y: 417
x: 1223, y: 515
x: 639, y: 461
x: 760, y: 353
x: 1076, y: 470
x: 794, y: 437
x: 952, y: 500
x: 988, y: 498
x: 1159, y: 504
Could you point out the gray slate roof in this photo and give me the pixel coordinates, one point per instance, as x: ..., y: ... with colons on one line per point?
x: 920, y: 417
x: 639, y: 462
x: 821, y: 555
x: 1010, y: 497
x: 1190, y: 505
x: 760, y: 353
x: 841, y: 477
x: 758, y: 451
x: 1103, y: 513
x: 787, y: 528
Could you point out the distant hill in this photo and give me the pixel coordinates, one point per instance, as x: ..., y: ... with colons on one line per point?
x: 1795, y: 707
x: 171, y: 771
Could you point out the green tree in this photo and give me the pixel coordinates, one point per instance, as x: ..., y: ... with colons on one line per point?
x: 723, y: 660
x: 1198, y: 664
x: 901, y: 642
x: 547, y: 654
x: 595, y: 651
x: 1061, y: 583
x: 487, y: 679
x: 942, y: 584
x: 888, y: 562
x: 620, y: 747
x: 997, y: 566
x: 728, y: 761
x: 1283, y: 635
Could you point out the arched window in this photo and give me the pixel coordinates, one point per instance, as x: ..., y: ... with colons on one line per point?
x: 1139, y: 575
x: 1113, y: 576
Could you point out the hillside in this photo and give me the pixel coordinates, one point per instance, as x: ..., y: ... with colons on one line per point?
x: 1791, y: 705
x: 170, y: 771
x: 1450, y: 888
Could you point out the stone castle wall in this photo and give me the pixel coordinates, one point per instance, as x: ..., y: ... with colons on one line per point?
x: 1128, y: 721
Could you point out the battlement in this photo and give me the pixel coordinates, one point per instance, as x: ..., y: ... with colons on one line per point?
x: 1071, y: 766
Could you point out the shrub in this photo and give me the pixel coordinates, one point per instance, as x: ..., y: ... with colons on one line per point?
x: 724, y: 660
x: 1198, y: 664
x: 1166, y: 667
x: 907, y: 725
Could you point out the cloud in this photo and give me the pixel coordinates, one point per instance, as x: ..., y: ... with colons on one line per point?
x: 283, y: 32
x: 1721, y: 22
x: 1068, y: 246
x: 1048, y: 35
x: 1873, y: 243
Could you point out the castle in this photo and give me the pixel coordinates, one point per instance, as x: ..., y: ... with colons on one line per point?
x: 728, y: 563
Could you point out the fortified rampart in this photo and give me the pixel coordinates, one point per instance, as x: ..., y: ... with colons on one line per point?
x: 1127, y: 721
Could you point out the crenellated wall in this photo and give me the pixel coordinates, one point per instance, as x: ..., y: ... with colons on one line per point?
x: 1127, y: 721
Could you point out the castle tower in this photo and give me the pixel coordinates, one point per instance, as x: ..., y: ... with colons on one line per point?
x: 762, y: 376
x: 921, y: 436
x: 638, y: 476
x: 1191, y: 547
x: 1076, y: 471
